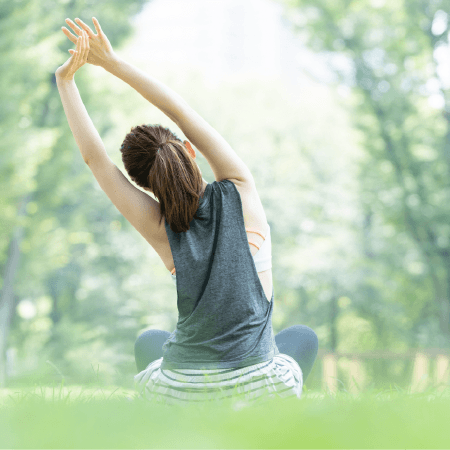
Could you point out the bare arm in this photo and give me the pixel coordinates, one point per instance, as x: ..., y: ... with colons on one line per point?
x: 223, y: 160
x: 102, y: 54
x: 86, y: 135
x: 157, y: 93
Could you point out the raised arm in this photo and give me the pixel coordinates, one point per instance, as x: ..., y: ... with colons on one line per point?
x: 157, y: 93
x: 224, y: 162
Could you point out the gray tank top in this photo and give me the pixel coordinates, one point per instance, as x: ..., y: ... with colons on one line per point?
x: 224, y: 318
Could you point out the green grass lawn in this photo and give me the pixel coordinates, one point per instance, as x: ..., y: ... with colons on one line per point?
x: 76, y: 417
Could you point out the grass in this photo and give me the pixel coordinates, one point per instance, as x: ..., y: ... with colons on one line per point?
x: 112, y: 417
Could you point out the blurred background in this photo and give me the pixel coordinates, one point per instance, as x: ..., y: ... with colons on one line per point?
x: 341, y: 111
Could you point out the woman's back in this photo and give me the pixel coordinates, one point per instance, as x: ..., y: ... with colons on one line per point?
x: 254, y: 217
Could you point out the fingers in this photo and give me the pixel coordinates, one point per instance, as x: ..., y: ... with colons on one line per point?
x: 74, y: 28
x: 97, y: 26
x: 85, y: 27
x: 78, y: 30
x: 77, y: 50
x: 82, y: 46
x: 86, y: 46
x: 69, y: 35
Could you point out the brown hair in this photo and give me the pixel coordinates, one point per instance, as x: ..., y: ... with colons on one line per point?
x: 156, y: 159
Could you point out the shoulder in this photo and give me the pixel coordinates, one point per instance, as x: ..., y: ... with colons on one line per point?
x: 247, y: 193
x: 246, y: 189
x: 252, y: 208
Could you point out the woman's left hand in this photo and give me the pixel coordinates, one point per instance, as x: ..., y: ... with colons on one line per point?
x: 77, y: 60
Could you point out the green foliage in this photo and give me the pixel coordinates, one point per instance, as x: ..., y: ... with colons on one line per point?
x: 404, y: 175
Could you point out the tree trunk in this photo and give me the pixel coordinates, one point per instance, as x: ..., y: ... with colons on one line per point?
x: 7, y: 300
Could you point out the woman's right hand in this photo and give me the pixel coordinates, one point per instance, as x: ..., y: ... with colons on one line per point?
x: 101, y: 52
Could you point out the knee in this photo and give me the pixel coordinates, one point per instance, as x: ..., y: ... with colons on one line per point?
x: 310, y: 334
x: 148, y: 336
x: 143, y: 337
x: 304, y: 333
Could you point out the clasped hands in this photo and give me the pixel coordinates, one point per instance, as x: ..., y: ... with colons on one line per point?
x: 92, y: 48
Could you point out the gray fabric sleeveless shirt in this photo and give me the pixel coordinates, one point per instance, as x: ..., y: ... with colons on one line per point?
x: 224, y: 318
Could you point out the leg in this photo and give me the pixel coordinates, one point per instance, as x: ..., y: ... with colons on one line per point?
x: 301, y: 343
x: 148, y: 347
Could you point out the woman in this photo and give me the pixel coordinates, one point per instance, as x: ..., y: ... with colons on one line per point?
x: 213, y: 238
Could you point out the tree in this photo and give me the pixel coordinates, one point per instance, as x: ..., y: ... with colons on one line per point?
x: 32, y: 48
x: 389, y: 48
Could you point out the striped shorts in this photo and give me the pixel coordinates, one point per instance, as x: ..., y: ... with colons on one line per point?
x: 279, y: 377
